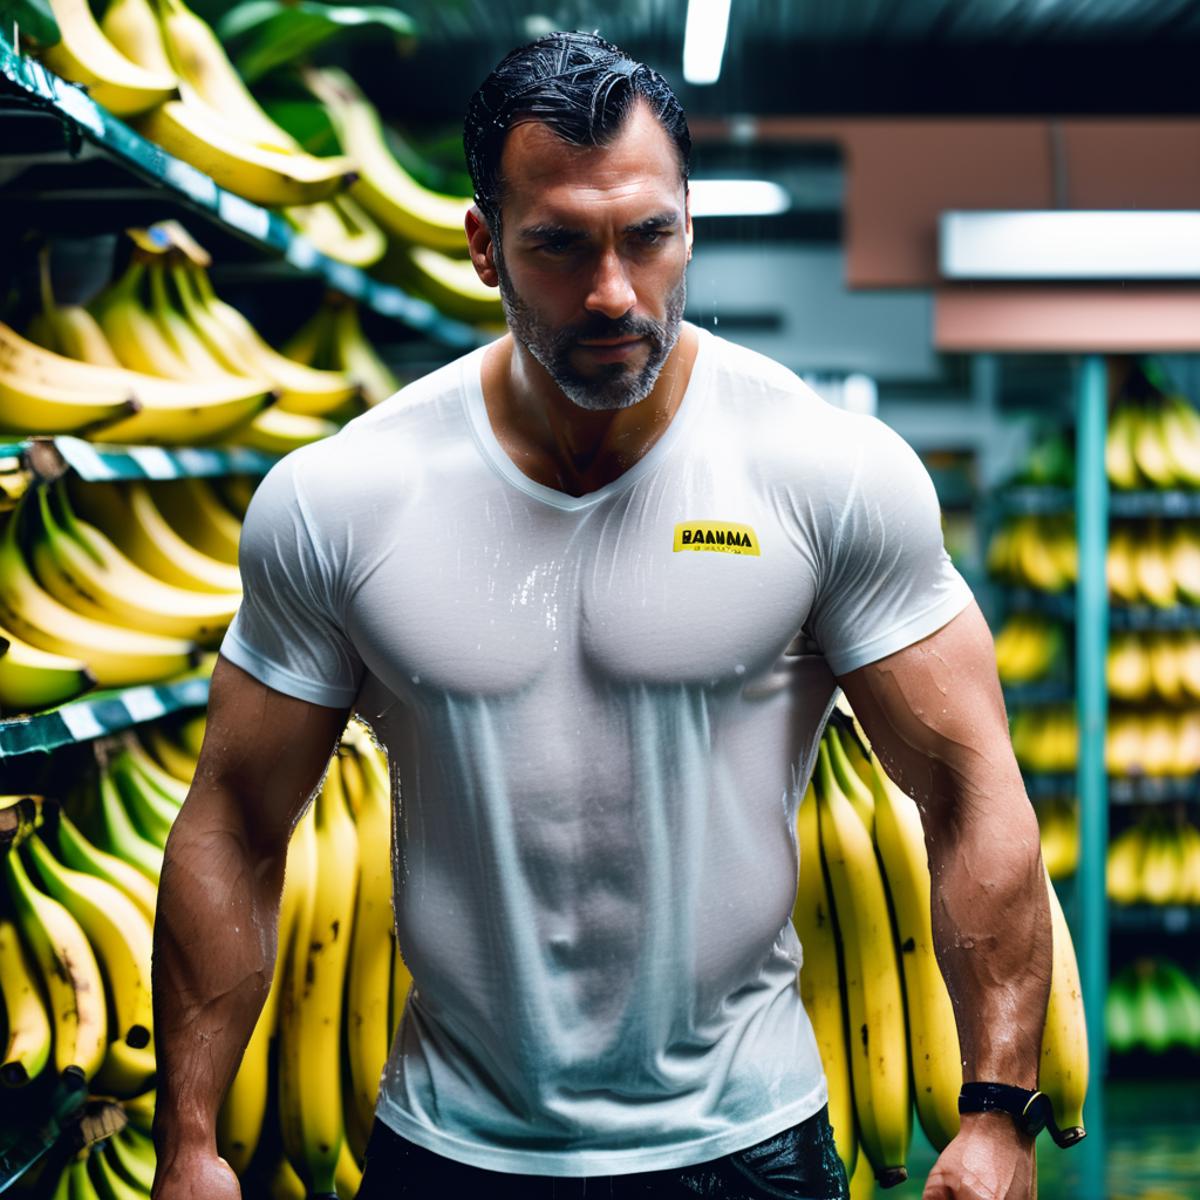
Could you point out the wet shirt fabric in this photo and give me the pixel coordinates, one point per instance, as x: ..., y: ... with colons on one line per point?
x: 600, y: 714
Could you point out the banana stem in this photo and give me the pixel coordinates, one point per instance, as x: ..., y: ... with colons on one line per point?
x: 44, y: 281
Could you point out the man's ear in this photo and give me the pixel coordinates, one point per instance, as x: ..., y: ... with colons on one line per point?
x: 687, y: 220
x: 479, y: 241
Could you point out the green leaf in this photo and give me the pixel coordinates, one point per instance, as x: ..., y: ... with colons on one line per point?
x: 264, y: 34
x: 32, y: 17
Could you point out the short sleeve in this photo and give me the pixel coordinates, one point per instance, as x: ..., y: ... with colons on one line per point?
x: 287, y: 632
x: 886, y: 579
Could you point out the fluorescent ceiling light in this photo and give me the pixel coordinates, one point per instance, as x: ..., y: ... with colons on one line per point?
x: 704, y: 40
x: 737, y: 198
x: 1067, y: 244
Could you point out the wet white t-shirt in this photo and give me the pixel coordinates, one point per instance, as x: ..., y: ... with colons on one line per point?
x: 597, y: 740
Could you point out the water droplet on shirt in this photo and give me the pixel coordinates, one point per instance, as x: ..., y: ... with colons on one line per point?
x: 416, y: 679
x: 740, y: 669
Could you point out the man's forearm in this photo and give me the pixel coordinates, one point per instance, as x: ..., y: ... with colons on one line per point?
x: 214, y: 951
x: 992, y: 935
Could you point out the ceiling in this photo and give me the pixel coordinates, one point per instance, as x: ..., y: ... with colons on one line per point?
x: 834, y: 56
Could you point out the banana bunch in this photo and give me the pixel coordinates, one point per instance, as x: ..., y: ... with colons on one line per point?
x: 1154, y: 563
x: 1045, y: 739
x: 333, y: 338
x: 113, y: 584
x: 1155, y: 861
x: 1154, y: 742
x: 1035, y: 551
x: 121, y: 1167
x: 1163, y: 666
x: 159, y: 64
x: 339, y: 988
x: 116, y: 80
x: 863, y: 916
x: 115, y: 375
x: 1028, y: 645
x: 1152, y: 1005
x: 1058, y: 820
x: 1153, y: 441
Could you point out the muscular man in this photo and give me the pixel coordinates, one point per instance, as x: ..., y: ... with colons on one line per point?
x: 594, y: 587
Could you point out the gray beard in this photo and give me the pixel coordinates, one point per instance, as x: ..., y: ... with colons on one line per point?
x: 614, y: 385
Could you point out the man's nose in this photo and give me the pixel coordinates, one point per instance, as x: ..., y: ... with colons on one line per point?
x: 612, y: 294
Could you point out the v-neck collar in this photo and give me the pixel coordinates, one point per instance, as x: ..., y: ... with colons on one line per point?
x: 494, y: 453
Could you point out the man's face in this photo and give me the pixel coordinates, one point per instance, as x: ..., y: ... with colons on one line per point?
x: 595, y: 247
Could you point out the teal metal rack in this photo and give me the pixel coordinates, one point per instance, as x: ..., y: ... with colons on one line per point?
x: 1091, y: 651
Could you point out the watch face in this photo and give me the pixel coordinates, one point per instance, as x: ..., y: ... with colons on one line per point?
x: 1036, y: 1114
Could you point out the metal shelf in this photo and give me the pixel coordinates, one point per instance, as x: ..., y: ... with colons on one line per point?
x: 1038, y: 692
x: 1047, y: 500
x: 1123, y: 617
x: 1154, y: 918
x: 1122, y: 789
x: 104, y: 712
x: 49, y: 457
x: 50, y: 123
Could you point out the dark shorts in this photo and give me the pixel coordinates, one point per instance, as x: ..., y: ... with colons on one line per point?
x: 801, y: 1163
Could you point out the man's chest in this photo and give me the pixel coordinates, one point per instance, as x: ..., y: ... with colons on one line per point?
x: 664, y: 586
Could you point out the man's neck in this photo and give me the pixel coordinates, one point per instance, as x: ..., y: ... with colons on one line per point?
x: 565, y: 447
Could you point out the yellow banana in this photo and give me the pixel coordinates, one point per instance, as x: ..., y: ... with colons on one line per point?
x: 116, y: 657
x: 313, y: 1036
x: 192, y: 350
x: 359, y: 359
x: 31, y: 678
x: 341, y: 229
x: 1150, y: 450
x: 240, y: 1120
x: 302, y: 859
x: 207, y: 76
x: 170, y: 756
x: 933, y: 1047
x: 272, y: 178
x: 27, y: 1025
x: 70, y: 329
x: 69, y: 973
x: 820, y: 979
x: 119, y: 934
x: 92, y: 577
x: 300, y: 389
x: 369, y: 971
x: 874, y: 1002
x: 278, y: 432
x: 86, y: 56
x: 77, y: 852
x: 1063, y: 1072
x: 122, y: 836
x: 1118, y: 451
x: 127, y: 514
x: 852, y: 787
x: 404, y: 207
x: 135, y: 1156
x: 135, y: 337
x: 133, y: 28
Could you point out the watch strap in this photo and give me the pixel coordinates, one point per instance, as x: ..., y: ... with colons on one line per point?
x: 1020, y: 1103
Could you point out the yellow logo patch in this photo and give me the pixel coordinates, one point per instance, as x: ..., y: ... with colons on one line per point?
x: 722, y: 536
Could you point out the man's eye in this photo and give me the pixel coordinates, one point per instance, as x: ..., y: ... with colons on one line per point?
x: 556, y: 246
x: 651, y: 237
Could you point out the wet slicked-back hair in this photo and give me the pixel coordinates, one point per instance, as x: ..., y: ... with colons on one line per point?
x: 579, y: 85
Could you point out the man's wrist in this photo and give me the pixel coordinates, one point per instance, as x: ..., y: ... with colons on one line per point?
x: 997, y: 1125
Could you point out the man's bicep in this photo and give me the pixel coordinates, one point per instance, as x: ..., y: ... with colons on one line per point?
x: 935, y: 714
x: 265, y: 748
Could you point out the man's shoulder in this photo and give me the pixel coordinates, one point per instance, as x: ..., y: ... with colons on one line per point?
x: 755, y: 370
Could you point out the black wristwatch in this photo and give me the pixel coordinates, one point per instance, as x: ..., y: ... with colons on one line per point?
x: 1031, y: 1111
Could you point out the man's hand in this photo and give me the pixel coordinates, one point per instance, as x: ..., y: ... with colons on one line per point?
x: 988, y: 1160
x: 195, y: 1175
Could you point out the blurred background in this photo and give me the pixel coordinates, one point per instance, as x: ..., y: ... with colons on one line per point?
x: 976, y: 219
